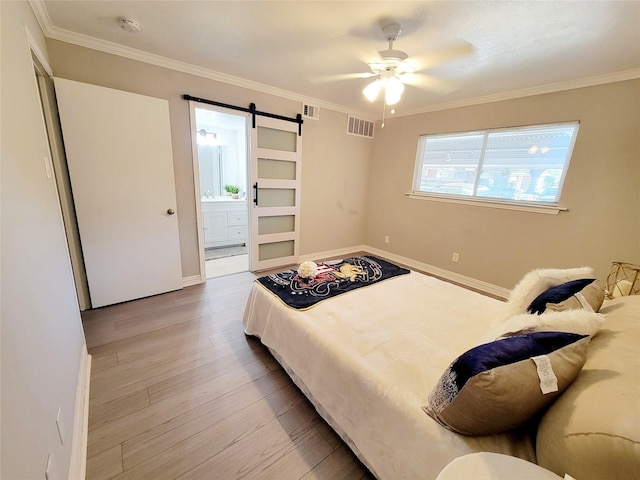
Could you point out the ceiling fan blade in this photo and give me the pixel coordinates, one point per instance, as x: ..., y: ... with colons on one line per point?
x: 429, y: 60
x: 429, y: 82
x: 340, y: 76
x: 351, y: 45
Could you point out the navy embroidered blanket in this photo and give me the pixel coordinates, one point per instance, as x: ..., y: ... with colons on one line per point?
x: 334, y: 278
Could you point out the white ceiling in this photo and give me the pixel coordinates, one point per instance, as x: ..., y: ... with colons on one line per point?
x: 519, y: 47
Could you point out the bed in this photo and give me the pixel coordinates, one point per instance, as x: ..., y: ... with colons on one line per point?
x: 368, y: 359
x: 414, y: 372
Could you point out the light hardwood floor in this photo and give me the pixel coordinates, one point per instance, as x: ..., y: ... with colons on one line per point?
x: 178, y: 391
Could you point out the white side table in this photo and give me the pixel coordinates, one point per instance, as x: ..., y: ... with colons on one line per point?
x: 494, y: 466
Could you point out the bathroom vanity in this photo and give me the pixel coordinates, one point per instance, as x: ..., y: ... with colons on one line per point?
x: 225, y: 221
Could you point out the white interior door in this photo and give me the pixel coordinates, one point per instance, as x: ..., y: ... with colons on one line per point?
x: 275, y: 209
x: 118, y: 147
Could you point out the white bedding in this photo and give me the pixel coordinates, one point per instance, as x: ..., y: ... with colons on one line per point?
x: 368, y: 359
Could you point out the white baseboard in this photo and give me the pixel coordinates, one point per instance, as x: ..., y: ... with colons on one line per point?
x: 78, y: 467
x: 192, y: 280
x: 416, y: 265
x: 331, y: 253
x: 442, y: 273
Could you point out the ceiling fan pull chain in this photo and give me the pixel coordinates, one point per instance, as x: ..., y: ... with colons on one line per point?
x: 384, y: 107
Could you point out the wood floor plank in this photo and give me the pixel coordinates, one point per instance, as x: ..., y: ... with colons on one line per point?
x: 155, y: 339
x: 299, y: 419
x: 137, y: 366
x: 124, y: 428
x: 98, y: 333
x: 167, y: 434
x: 124, y: 310
x: 304, y: 454
x: 168, y: 316
x: 149, y: 375
x: 168, y: 358
x: 233, y: 301
x: 338, y: 465
x: 197, y: 375
x: 260, y: 449
x: 200, y: 447
x: 103, y: 362
x: 209, y: 294
x: 329, y: 435
x: 101, y: 413
x: 105, y: 465
x: 177, y: 389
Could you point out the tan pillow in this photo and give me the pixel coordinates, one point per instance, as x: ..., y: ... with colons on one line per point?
x: 592, y: 296
x: 495, y: 387
x: 592, y: 432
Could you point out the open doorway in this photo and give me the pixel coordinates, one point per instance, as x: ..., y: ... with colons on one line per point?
x: 220, y: 151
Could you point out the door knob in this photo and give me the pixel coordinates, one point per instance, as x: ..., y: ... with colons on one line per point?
x: 171, y: 211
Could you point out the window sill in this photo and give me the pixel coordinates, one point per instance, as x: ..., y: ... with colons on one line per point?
x: 545, y: 209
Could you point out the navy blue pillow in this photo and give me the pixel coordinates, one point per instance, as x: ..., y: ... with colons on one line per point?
x: 507, y: 351
x: 558, y: 294
x: 496, y: 386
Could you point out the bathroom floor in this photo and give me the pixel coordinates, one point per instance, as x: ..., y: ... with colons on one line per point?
x: 226, y: 261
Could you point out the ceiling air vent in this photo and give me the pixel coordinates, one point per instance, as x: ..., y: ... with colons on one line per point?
x: 359, y: 127
x: 310, y: 111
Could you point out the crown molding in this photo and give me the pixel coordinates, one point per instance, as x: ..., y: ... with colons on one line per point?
x: 53, y: 32
x: 41, y: 14
x: 50, y: 31
x: 529, y: 92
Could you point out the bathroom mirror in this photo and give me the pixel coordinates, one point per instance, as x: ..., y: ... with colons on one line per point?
x: 221, y: 153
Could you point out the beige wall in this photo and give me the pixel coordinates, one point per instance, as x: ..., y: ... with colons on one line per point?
x: 353, y: 188
x: 602, y: 191
x: 334, y: 184
x: 335, y: 165
x: 42, y: 341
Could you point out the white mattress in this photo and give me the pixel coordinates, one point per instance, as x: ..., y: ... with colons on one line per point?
x: 368, y: 359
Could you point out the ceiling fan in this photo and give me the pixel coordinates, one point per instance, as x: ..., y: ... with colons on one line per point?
x: 391, y: 70
x: 394, y: 69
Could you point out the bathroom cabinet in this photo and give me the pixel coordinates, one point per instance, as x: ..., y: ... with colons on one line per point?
x: 225, y: 222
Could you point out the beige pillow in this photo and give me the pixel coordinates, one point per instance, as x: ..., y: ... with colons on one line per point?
x: 592, y: 432
x: 590, y: 297
x: 495, y: 387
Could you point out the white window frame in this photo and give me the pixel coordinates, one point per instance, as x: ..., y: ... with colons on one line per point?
x: 485, y: 201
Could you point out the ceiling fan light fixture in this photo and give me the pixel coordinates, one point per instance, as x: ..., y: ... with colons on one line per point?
x: 372, y: 90
x: 393, y: 91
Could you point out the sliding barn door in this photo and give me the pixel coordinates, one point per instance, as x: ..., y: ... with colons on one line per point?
x: 118, y: 147
x: 275, y: 211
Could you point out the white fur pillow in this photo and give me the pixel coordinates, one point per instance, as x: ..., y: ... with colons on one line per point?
x: 582, y: 322
x: 538, y: 281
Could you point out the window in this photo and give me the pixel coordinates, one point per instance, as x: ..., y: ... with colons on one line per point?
x: 523, y: 165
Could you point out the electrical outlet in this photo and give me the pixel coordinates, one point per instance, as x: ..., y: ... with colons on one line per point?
x: 455, y: 257
x: 386, y: 239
